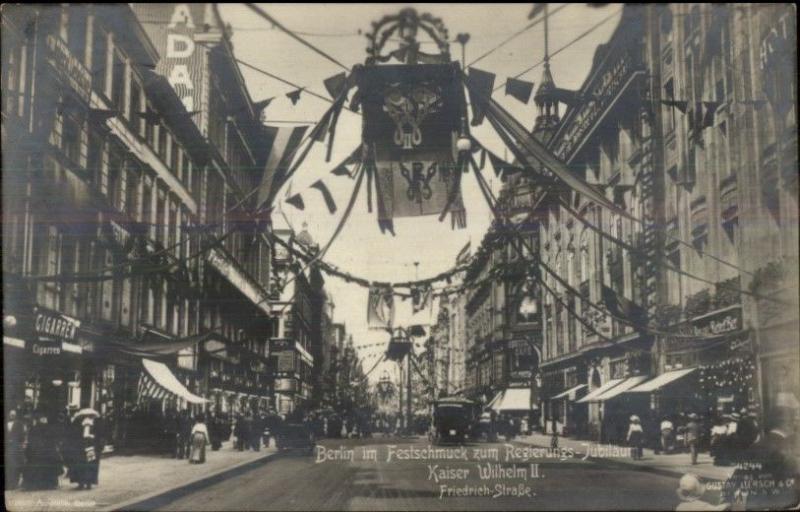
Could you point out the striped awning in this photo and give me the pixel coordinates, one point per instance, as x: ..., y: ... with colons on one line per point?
x: 158, y: 381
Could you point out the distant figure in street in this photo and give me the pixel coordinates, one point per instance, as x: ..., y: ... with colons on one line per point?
x: 240, y: 431
x: 85, y: 461
x: 256, y: 433
x: 43, y: 460
x: 214, y: 431
x: 690, y: 491
x: 718, y: 433
x: 635, y: 437
x: 15, y: 455
x: 199, y: 435
x: 182, y: 436
x: 693, y: 436
x: 666, y: 435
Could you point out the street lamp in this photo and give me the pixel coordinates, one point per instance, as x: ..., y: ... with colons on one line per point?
x: 463, y: 39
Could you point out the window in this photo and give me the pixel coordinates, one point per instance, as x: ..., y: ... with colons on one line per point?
x: 99, y: 56
x: 131, y: 193
x: 76, y: 31
x: 160, y: 217
x: 115, y: 177
x: 162, y: 140
x: 173, y: 158
x: 71, y: 131
x: 118, y: 82
x: 186, y: 170
x: 95, y: 157
x: 150, y: 126
x: 136, y: 108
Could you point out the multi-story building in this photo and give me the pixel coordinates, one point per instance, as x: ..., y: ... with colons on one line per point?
x: 676, y: 142
x: 295, y: 337
x: 199, y: 64
x: 457, y: 345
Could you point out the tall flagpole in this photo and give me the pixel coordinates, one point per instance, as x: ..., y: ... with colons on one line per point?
x: 546, y: 49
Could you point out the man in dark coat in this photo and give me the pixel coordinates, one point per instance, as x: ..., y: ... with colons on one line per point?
x: 43, y: 459
x: 241, y: 432
x: 256, y: 432
x: 183, y: 434
x: 15, y: 456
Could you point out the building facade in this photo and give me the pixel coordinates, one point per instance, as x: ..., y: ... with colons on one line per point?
x: 678, y: 126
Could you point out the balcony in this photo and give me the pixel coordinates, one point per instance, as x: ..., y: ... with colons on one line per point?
x: 67, y: 68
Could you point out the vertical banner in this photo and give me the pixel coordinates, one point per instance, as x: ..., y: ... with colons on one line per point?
x: 412, y: 118
x: 171, y: 27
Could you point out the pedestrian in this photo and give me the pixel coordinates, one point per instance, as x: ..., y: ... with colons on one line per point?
x: 690, y: 491
x: 214, y: 432
x: 666, y: 435
x: 183, y: 432
x: 731, y: 441
x: 635, y: 437
x: 256, y: 433
x: 15, y: 455
x: 768, y: 478
x: 85, y: 463
x: 199, y: 436
x: 171, y: 432
x: 693, y: 436
x: 43, y: 465
x: 718, y: 434
x: 747, y: 431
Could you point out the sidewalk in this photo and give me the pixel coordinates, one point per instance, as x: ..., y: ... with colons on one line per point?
x: 125, y: 480
x: 676, y: 464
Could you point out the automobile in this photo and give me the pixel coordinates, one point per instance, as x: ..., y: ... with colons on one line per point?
x: 452, y: 418
x: 295, y: 436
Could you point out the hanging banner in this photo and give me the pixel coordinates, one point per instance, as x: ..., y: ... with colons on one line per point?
x: 412, y: 118
x: 380, y: 308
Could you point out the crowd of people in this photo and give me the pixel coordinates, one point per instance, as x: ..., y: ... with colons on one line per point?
x: 724, y: 436
x: 40, y: 449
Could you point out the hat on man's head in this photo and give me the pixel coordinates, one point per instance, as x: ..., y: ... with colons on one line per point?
x: 690, y: 488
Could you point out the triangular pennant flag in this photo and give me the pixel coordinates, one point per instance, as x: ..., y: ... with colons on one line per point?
x: 519, y: 89
x: 483, y: 82
x: 335, y: 84
x: 537, y: 9
x: 501, y: 167
x: 295, y: 95
x: 341, y: 170
x: 285, y: 141
x: 710, y: 109
x: 326, y: 194
x: 680, y: 105
x: 259, y: 106
x: 296, y: 201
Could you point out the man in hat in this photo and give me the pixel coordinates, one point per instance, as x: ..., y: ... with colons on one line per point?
x: 666, y: 434
x: 693, y: 436
x: 690, y: 491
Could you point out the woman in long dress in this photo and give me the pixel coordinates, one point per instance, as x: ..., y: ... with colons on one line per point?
x: 43, y: 459
x: 199, y: 439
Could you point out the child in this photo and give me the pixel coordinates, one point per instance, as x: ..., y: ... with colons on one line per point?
x: 690, y: 491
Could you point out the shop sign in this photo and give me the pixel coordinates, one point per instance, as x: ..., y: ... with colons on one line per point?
x: 286, y: 385
x: 118, y: 235
x: 604, y: 89
x: 55, y: 326
x: 718, y: 323
x: 225, y: 266
x: 68, y: 68
x: 46, y: 348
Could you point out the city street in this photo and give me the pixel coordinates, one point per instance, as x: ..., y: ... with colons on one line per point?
x: 296, y: 482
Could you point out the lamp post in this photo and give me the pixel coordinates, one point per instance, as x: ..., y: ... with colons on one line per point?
x: 463, y: 39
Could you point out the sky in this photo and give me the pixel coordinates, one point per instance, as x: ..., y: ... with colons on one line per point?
x: 339, y: 30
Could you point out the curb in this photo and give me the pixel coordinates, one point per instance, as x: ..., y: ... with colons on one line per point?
x: 649, y: 469
x: 153, y: 499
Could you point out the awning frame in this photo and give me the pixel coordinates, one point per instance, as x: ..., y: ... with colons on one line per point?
x: 593, y: 394
x: 621, y: 388
x: 163, y: 376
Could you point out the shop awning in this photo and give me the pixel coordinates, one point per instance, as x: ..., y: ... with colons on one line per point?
x: 164, y: 377
x: 622, y: 387
x: 513, y: 399
x: 592, y: 396
x: 156, y: 350
x: 661, y: 381
x: 570, y: 394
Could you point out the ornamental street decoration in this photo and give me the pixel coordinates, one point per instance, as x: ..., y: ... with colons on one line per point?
x: 414, y: 113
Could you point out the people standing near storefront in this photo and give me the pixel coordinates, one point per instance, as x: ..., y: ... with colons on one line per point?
x: 693, y: 436
x: 240, y: 433
x: 214, y: 431
x: 747, y: 430
x: 15, y: 446
x: 85, y: 460
x: 718, y: 434
x: 667, y: 428
x: 43, y: 461
x: 171, y: 432
x: 199, y: 440
x: 635, y: 437
x: 256, y: 433
x: 731, y: 441
x: 182, y: 433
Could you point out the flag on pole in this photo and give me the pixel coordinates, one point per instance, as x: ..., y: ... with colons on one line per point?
x: 680, y: 105
x: 285, y: 141
x: 537, y: 9
x: 336, y: 84
x: 519, y: 89
x: 623, y: 308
